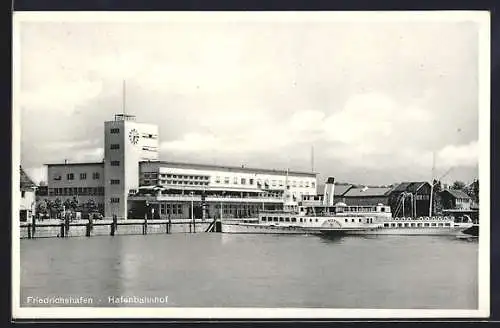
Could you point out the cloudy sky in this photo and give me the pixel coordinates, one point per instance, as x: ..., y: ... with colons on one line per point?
x: 374, y: 99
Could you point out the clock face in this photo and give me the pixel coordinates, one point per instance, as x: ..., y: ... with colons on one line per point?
x: 133, y: 136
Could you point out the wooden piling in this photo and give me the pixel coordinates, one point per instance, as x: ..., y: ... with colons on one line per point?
x: 114, y: 225
x: 145, y: 225
x: 62, y: 235
x: 89, y: 227
x: 29, y: 231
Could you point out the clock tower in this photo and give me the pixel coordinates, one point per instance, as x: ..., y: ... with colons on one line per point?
x: 126, y: 143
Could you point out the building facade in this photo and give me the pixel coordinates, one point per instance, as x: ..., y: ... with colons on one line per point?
x: 82, y: 182
x: 174, y: 190
x: 27, y: 206
x: 410, y: 199
x: 126, y: 143
x: 455, y: 200
x: 131, y: 181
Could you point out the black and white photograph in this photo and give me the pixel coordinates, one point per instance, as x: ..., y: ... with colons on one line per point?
x: 251, y: 165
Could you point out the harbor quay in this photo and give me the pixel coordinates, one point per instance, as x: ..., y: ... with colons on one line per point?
x: 132, y: 191
x: 89, y: 228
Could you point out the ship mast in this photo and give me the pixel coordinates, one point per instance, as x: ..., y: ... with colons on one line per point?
x: 432, y: 182
x: 312, y: 159
x: 124, y: 98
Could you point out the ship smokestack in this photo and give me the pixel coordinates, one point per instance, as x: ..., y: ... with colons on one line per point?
x: 329, y: 192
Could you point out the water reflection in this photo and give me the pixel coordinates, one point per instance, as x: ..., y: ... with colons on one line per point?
x: 230, y: 270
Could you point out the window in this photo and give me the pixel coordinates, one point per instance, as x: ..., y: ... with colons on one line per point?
x: 264, y: 219
x: 70, y: 176
x: 250, y: 181
x: 275, y: 219
x: 433, y: 224
x: 83, y: 176
x: 235, y: 180
x: 114, y: 146
x: 287, y: 219
x: 115, y: 200
x: 294, y: 219
x: 352, y: 220
x: 115, y: 130
x: 393, y: 224
x: 96, y: 176
x: 115, y: 163
x: 281, y: 219
x: 226, y: 180
x: 301, y: 220
x: 115, y: 181
x: 426, y: 224
x: 346, y: 220
x: 243, y: 181
x: 413, y: 224
x: 23, y: 193
x: 386, y: 225
x: 313, y: 184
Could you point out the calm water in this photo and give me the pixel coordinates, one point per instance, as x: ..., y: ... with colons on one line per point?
x: 221, y: 270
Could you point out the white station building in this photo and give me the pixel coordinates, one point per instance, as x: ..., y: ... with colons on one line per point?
x: 132, y: 182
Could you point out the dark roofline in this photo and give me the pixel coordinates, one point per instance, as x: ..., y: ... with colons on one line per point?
x: 67, y: 164
x: 231, y: 168
x: 25, y: 181
x: 459, y: 193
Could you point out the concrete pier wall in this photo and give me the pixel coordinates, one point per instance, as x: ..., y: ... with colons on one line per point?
x: 81, y: 228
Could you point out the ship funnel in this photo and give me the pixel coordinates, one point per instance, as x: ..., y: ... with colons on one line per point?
x: 329, y: 192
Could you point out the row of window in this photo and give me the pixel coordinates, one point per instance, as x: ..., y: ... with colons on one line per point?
x: 368, y: 220
x: 261, y: 182
x: 226, y: 180
x: 170, y: 208
x: 144, y: 135
x: 406, y: 225
x: 284, y: 219
x: 176, y: 182
x: 83, y: 176
x: 422, y: 197
x: 80, y: 191
x: 176, y: 176
x: 146, y: 148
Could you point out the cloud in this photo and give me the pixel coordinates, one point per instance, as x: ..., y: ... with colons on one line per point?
x: 70, y: 144
x: 258, y: 93
x: 459, y: 155
x: 60, y: 96
x: 362, y: 128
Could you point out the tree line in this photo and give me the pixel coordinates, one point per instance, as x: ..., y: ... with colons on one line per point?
x: 53, y: 209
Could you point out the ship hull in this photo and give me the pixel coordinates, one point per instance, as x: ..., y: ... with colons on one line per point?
x: 408, y: 231
x: 297, y: 230
x: 262, y: 229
